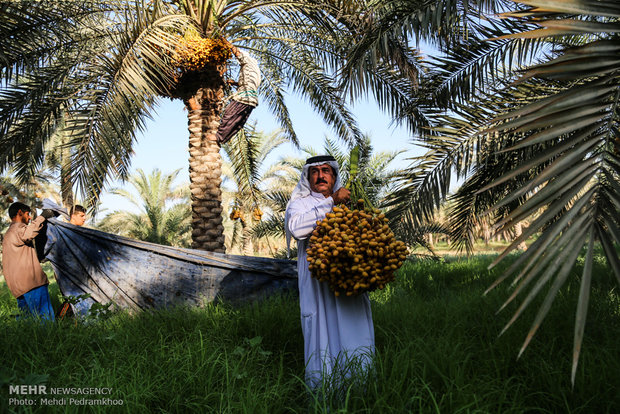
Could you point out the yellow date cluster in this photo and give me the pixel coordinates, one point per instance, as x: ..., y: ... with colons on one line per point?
x: 237, y: 214
x: 195, y: 53
x: 257, y: 214
x: 354, y: 251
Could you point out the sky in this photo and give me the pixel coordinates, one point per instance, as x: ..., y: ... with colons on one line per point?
x: 164, y: 143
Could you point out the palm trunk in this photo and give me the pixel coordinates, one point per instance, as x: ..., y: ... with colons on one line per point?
x: 486, y: 232
x: 66, y: 186
x: 66, y: 183
x: 204, y: 106
x: 518, y: 232
x: 247, y: 245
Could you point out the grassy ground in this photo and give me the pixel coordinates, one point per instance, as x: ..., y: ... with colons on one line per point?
x: 444, y: 249
x: 437, y: 352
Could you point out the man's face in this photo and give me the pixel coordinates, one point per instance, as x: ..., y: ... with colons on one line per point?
x: 23, y: 217
x: 322, y: 179
x: 78, y: 218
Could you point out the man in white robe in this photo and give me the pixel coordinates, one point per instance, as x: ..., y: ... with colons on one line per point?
x: 339, y: 336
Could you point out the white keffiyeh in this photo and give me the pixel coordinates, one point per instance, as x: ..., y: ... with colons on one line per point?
x: 303, y: 190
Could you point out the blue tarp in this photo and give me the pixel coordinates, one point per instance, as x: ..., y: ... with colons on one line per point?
x: 139, y: 275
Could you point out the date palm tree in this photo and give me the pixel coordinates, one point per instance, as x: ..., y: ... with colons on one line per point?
x: 164, y: 215
x: 249, y: 180
x: 529, y: 121
x: 97, y: 70
x: 58, y: 159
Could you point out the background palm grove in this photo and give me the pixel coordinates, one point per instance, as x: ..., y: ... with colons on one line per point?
x: 519, y: 108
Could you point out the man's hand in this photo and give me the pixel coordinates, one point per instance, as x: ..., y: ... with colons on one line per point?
x: 232, y: 47
x: 48, y: 214
x: 341, y: 195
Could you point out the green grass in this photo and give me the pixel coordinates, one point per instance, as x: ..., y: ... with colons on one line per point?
x: 437, y: 352
x: 443, y: 248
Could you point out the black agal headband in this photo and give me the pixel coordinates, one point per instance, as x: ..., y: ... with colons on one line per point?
x: 320, y: 158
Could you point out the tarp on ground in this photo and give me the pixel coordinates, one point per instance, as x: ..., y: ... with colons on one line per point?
x: 138, y: 275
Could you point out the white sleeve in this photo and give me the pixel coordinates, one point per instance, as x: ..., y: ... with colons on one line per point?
x: 302, y: 217
x: 248, y: 63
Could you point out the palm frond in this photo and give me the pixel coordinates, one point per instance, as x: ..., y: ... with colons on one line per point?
x: 572, y: 191
x: 164, y: 215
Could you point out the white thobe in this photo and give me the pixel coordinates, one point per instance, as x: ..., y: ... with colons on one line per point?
x: 337, y: 330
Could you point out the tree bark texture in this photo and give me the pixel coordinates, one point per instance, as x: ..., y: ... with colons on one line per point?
x: 204, y: 106
x: 518, y: 231
x: 66, y: 182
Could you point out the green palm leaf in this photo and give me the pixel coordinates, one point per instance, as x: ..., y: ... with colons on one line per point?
x: 95, y: 71
x: 542, y: 147
x: 163, y: 216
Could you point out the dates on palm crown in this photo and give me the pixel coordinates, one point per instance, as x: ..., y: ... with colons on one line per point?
x: 354, y: 251
x: 195, y: 53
